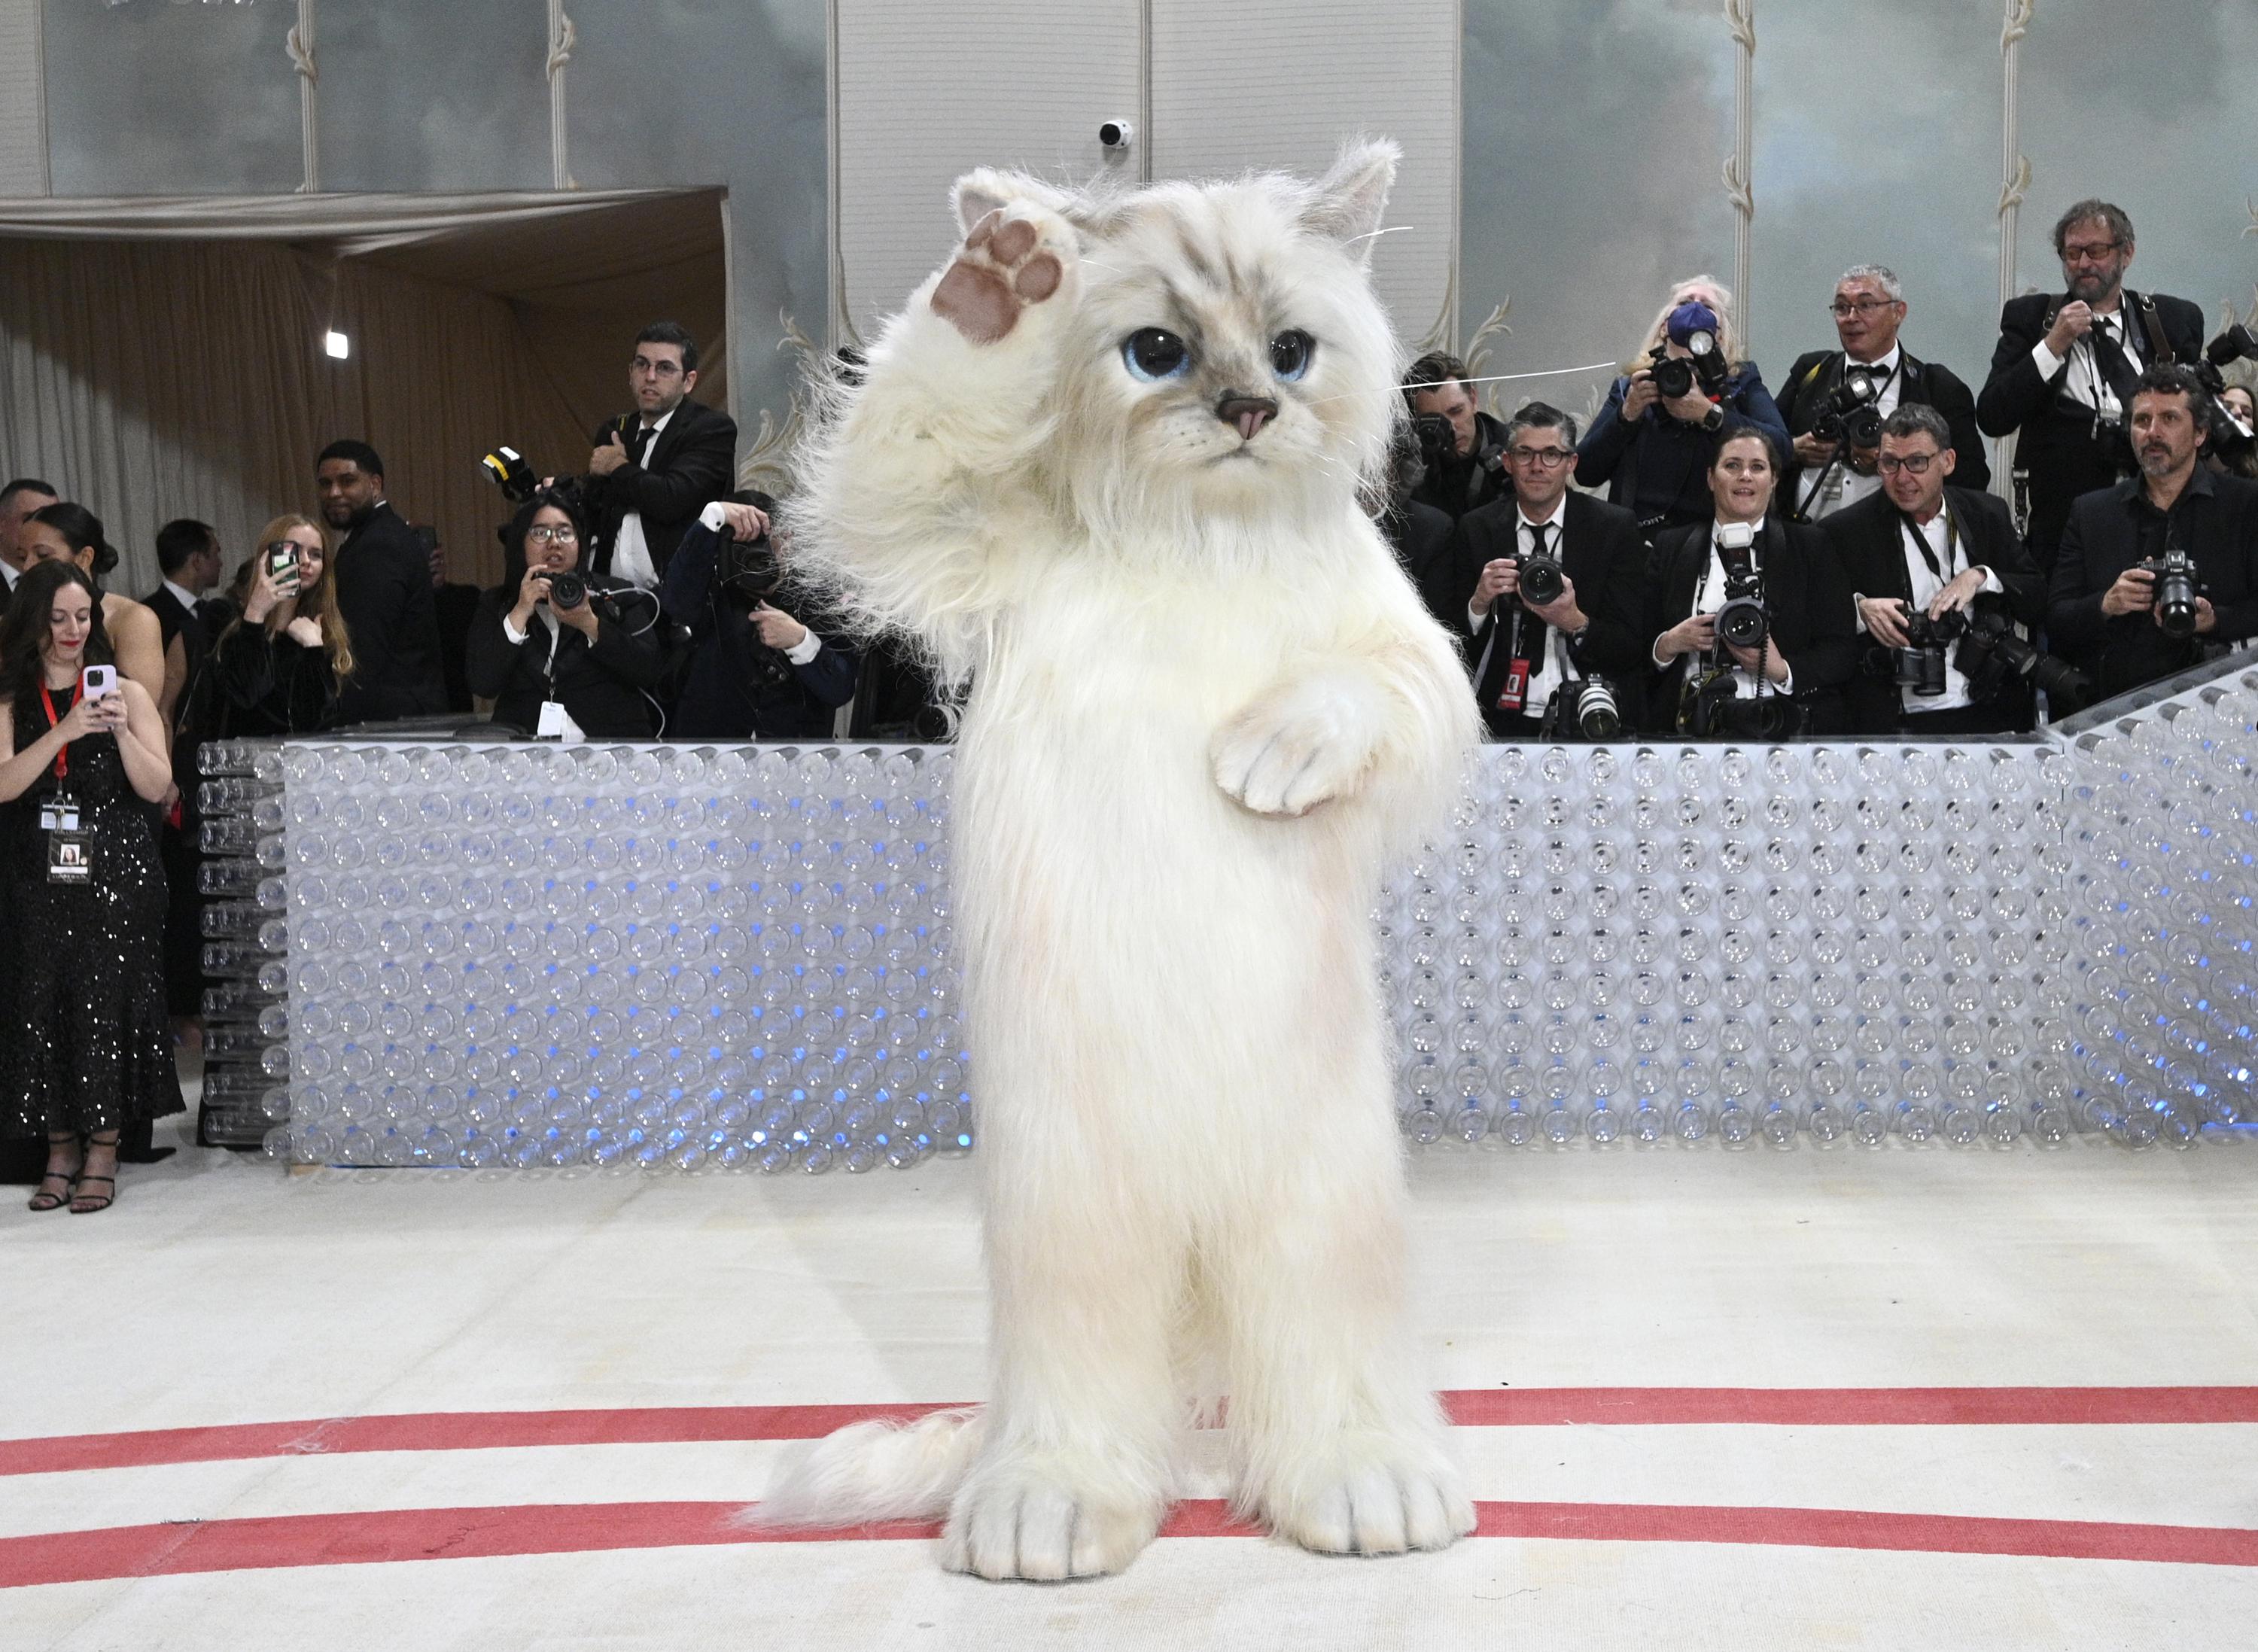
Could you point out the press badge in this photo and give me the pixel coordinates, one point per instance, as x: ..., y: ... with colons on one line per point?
x: 70, y: 851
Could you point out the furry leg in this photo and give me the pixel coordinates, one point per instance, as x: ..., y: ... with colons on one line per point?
x: 1335, y: 1442
x: 1074, y: 1474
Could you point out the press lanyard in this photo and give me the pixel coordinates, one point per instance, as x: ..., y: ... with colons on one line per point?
x: 62, y: 755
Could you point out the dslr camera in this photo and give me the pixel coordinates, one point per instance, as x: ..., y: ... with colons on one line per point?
x: 2229, y: 441
x: 1742, y: 621
x: 1677, y: 375
x: 2177, y: 585
x: 1583, y: 708
x: 1920, y: 664
x: 1853, y: 414
x: 1543, y: 579
x: 1438, y: 447
x: 1991, y: 654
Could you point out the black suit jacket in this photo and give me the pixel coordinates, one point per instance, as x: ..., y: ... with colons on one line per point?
x: 2054, y: 443
x: 1868, y: 543
x: 601, y: 684
x: 1420, y: 537
x: 2215, y: 519
x: 381, y: 577
x: 175, y: 619
x: 1804, y: 393
x: 1605, y: 559
x: 692, y: 463
x: 1810, y: 614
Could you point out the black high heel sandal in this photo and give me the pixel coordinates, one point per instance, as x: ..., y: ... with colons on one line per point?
x: 85, y: 1205
x: 45, y: 1201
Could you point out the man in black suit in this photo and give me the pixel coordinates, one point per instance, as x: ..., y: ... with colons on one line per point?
x: 1827, y: 475
x: 2102, y: 612
x: 2066, y: 364
x: 1523, y: 651
x: 1458, y: 443
x: 1921, y: 546
x: 188, y: 557
x: 655, y: 469
x: 381, y: 579
x: 18, y: 501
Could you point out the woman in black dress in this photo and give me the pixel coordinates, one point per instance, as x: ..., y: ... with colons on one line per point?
x: 84, y: 1043
x: 599, y: 656
x: 281, y: 664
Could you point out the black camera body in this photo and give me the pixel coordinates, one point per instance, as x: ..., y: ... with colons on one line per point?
x: 1920, y: 664
x: 1991, y: 655
x: 1439, y: 438
x: 1583, y: 708
x: 1713, y: 709
x: 1544, y: 581
x: 567, y: 588
x: 1676, y: 376
x: 1852, y: 412
x: 1742, y: 621
x: 2177, y: 585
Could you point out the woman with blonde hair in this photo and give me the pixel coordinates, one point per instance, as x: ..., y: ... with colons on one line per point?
x: 1684, y: 392
x: 280, y: 665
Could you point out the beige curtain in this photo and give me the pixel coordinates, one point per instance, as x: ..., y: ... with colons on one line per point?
x: 149, y: 379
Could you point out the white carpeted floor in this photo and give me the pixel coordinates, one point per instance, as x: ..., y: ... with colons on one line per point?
x: 221, y: 1292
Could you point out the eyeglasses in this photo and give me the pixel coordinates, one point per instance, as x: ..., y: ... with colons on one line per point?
x: 1841, y: 308
x: 550, y: 536
x: 1544, y: 459
x: 1911, y: 463
x: 656, y: 369
x: 2095, y: 254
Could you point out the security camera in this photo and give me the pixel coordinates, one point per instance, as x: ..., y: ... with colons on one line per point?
x: 1116, y: 134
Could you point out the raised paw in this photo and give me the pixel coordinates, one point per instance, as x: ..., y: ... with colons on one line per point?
x: 1022, y: 1527
x: 1377, y: 1508
x: 1015, y: 257
x: 1286, y: 755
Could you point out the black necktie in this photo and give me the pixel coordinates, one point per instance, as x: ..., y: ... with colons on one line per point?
x: 639, y: 442
x: 2111, y: 363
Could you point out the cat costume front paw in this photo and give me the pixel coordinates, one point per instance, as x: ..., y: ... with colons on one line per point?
x: 1018, y: 256
x: 1301, y: 746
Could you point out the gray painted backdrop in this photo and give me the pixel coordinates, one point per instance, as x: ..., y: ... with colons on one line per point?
x: 149, y: 98
x: 1595, y: 134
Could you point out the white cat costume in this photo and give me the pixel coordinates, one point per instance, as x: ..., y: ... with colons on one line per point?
x: 1206, y: 708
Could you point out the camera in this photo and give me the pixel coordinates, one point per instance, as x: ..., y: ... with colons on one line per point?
x: 1543, y: 580
x: 1740, y: 620
x: 1677, y: 375
x: 2229, y: 441
x: 1116, y: 134
x: 2177, y: 589
x: 1853, y: 414
x: 511, y: 474
x: 567, y: 589
x: 1713, y: 709
x: 1920, y: 664
x: 1991, y: 654
x: 1584, y: 708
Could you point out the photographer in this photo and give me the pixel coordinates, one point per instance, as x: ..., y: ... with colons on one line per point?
x: 1687, y: 391
x: 1922, y: 551
x: 1546, y: 585
x: 754, y: 671
x: 655, y: 469
x: 2156, y: 572
x: 2065, y: 370
x: 85, y: 1049
x: 281, y: 664
x: 1747, y: 574
x: 1836, y: 401
x: 1459, y: 444
x: 549, y: 635
x: 2236, y: 409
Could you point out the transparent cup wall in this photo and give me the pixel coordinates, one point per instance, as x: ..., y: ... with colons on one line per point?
x: 527, y: 955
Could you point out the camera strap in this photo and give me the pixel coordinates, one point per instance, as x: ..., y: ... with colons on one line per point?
x: 1943, y: 576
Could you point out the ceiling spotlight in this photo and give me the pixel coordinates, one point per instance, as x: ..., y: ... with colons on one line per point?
x: 338, y: 344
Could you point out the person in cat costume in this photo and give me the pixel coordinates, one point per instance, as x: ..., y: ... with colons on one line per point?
x: 1106, y: 468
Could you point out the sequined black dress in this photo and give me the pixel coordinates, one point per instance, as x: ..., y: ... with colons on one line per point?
x: 84, y: 1043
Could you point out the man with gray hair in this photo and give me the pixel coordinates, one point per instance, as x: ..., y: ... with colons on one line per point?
x: 2067, y: 363
x: 1923, y: 551
x: 1835, y: 401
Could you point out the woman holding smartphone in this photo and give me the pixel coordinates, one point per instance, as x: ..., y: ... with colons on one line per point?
x: 73, y: 533
x: 281, y: 664
x: 85, y: 1048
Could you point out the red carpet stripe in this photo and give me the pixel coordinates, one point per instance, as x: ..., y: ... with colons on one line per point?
x: 465, y: 1533
x: 1473, y: 1408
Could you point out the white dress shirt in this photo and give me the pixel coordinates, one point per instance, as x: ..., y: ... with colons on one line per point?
x: 630, y: 550
x: 182, y: 595
x: 7, y: 573
x: 1546, y: 675
x: 1843, y: 484
x: 2086, y: 382
x: 1709, y: 596
x: 1942, y: 537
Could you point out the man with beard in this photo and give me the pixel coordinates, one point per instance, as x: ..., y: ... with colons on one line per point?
x: 382, y: 579
x: 2103, y: 612
x: 1462, y: 447
x: 2066, y: 365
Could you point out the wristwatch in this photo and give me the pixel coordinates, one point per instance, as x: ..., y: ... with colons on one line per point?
x: 1715, y: 419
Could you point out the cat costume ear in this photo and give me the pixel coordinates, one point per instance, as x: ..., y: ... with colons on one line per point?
x: 1348, y: 202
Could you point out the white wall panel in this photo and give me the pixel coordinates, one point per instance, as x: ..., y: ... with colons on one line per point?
x: 23, y: 101
x: 926, y: 92
x: 1279, y: 83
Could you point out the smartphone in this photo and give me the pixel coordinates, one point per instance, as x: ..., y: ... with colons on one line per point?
x: 96, y: 681
x: 282, y: 562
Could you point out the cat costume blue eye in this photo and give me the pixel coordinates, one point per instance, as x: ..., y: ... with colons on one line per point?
x: 1290, y: 352
x: 1152, y: 354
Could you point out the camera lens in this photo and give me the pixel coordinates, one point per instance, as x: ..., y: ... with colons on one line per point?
x: 1542, y: 581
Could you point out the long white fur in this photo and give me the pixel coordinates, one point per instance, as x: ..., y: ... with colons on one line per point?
x: 1205, y: 707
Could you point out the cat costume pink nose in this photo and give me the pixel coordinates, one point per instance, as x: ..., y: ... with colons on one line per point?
x: 1250, y: 413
